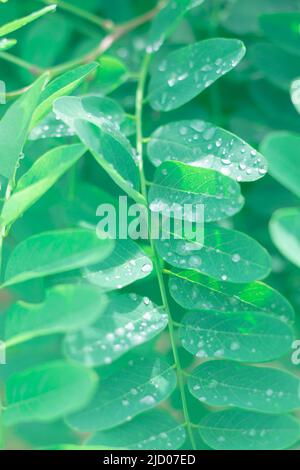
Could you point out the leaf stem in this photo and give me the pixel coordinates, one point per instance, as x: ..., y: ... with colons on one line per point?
x: 156, y: 259
x: 105, y: 24
x: 34, y: 69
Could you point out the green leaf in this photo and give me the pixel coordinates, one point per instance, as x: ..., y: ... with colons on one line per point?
x: 55, y: 252
x: 17, y: 24
x: 7, y: 44
x: 192, y: 290
x: 277, y: 66
x: 226, y: 255
x: 244, y: 337
x: 128, y: 321
x: 39, y: 179
x: 14, y: 127
x: 112, y: 73
x: 176, y: 184
x: 283, y: 30
x: 47, y: 392
x: 285, y: 233
x: 295, y: 94
x: 126, y: 264
x: 103, y: 138
x: 65, y: 308
x: 186, y: 72
x: 264, y: 389
x: 136, y: 388
x: 155, y: 430
x: 166, y: 21
x: 282, y: 152
x: 201, y: 144
x: 243, y: 430
x: 62, y: 85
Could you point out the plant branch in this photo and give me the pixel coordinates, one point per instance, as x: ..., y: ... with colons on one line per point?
x: 105, y: 24
x: 34, y: 69
x: 156, y: 259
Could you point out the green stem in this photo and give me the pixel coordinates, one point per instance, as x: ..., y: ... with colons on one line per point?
x: 215, y: 91
x: 107, y: 25
x: 34, y: 69
x: 156, y: 259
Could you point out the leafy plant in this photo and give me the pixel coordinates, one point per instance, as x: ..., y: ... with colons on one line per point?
x: 150, y: 344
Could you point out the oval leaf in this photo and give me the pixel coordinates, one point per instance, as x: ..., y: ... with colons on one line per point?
x: 155, y: 430
x: 136, y: 388
x: 47, y: 392
x: 226, y: 255
x: 264, y: 389
x: 39, y: 179
x: 201, y: 144
x: 176, y: 185
x: 14, y: 127
x: 192, y: 290
x: 55, y: 252
x: 244, y: 337
x: 243, y: 430
x: 186, y: 72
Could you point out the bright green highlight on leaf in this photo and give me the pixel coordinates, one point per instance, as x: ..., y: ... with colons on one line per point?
x: 191, y: 289
x: 39, y: 179
x: 17, y: 24
x: 176, y: 185
x: 202, y: 144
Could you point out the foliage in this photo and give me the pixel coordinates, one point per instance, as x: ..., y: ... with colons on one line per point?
x: 165, y: 344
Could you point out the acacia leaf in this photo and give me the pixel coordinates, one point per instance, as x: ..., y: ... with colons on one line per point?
x: 262, y: 389
x: 192, y: 290
x: 14, y: 127
x: 54, y: 252
x: 201, y: 144
x: 186, y: 72
x: 62, y: 85
x: 20, y: 22
x: 226, y: 255
x: 245, y: 430
x: 155, y: 430
x: 244, y: 337
x: 136, y: 388
x: 39, y: 179
x: 47, y: 392
x: 176, y: 184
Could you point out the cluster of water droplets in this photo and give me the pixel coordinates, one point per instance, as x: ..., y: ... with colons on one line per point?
x: 118, y: 331
x: 204, y: 145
